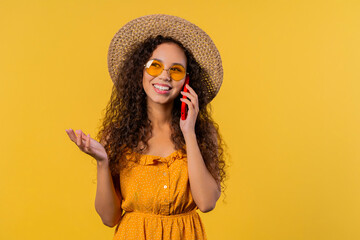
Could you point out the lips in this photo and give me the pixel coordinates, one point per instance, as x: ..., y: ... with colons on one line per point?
x: 161, y: 91
x: 163, y: 85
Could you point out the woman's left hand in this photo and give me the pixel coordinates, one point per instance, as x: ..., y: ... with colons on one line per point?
x: 188, y: 125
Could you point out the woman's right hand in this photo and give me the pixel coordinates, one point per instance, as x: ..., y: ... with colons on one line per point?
x: 88, y: 145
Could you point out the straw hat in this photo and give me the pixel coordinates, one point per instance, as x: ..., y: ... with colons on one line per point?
x: 191, y: 36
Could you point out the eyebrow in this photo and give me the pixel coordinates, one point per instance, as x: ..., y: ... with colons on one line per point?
x: 172, y: 63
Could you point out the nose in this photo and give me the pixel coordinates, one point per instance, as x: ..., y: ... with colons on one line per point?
x: 165, y: 74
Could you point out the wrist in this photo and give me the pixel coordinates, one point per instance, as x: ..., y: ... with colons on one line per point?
x: 189, y: 136
x: 102, y: 163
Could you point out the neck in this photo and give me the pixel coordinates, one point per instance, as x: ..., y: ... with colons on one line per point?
x: 159, y: 114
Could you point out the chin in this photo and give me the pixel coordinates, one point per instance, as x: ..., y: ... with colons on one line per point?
x: 160, y: 99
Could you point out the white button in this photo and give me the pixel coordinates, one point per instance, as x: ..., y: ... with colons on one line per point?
x: 165, y: 186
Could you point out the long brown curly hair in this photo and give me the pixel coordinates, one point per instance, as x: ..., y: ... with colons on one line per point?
x: 126, y: 125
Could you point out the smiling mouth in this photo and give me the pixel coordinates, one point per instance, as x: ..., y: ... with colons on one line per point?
x: 162, y: 89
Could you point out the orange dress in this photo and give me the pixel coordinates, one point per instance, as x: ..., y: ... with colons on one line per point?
x: 157, y: 201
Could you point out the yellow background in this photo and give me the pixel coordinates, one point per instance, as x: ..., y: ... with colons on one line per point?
x: 288, y: 110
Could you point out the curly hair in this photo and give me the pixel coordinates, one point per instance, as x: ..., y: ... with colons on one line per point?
x: 126, y: 125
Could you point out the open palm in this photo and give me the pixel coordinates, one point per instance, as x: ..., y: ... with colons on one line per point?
x: 87, y: 144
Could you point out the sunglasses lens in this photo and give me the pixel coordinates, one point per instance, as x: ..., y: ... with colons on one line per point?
x: 177, y: 72
x: 154, y: 67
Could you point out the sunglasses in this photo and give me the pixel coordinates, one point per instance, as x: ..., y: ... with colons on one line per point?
x: 154, y: 67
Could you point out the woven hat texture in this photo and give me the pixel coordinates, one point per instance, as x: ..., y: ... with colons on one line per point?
x: 191, y: 36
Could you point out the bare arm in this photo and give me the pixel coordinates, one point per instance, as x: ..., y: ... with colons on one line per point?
x: 204, y: 188
x: 107, y: 200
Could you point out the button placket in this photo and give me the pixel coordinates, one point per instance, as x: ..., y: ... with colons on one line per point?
x: 166, y: 189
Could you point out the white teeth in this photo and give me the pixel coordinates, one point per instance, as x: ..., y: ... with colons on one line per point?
x: 162, y: 88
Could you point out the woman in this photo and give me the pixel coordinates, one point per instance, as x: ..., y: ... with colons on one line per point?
x: 152, y: 164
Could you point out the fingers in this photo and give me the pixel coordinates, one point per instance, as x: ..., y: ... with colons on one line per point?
x: 71, y: 134
x: 192, y: 102
x: 78, y: 139
x: 192, y: 96
x: 87, y: 145
x: 189, y: 95
x: 82, y: 143
x: 191, y: 91
x: 188, y: 102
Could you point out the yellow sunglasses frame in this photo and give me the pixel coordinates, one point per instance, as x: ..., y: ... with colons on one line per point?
x: 163, y: 68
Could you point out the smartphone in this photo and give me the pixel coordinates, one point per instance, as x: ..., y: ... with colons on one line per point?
x: 184, y: 107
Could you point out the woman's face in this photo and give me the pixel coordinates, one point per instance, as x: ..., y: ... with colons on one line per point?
x: 169, y: 53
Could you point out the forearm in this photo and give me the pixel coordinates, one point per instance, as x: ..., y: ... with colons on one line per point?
x: 204, y: 188
x: 107, y: 202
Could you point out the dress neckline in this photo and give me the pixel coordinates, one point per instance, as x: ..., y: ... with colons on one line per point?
x: 176, y: 152
x: 156, y: 156
x: 148, y: 159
